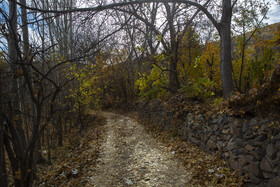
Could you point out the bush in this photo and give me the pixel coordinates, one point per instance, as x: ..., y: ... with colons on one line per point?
x: 202, y: 89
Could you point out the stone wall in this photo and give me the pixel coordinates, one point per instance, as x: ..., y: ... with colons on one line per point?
x: 251, y: 145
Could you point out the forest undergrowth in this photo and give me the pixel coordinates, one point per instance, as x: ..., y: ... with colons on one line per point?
x: 73, y: 163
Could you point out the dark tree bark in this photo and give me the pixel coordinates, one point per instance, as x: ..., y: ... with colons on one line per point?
x: 173, y: 74
x: 3, y: 172
x: 226, y: 64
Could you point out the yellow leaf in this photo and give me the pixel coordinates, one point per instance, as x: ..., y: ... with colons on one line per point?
x: 18, y: 174
x: 16, y: 118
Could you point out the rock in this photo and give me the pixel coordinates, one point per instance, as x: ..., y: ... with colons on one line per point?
x: 267, y: 168
x: 275, y: 182
x: 228, y: 137
x: 271, y: 151
x: 253, y: 122
x: 277, y: 137
x: 261, y: 144
x: 212, y: 142
x: 233, y: 162
x: 260, y: 138
x: 235, y: 130
x: 238, y: 123
x: 268, y: 175
x: 215, y: 127
x: 200, y: 118
x: 236, y: 152
x: 202, y: 145
x: 227, y: 154
x: 204, y: 137
x: 239, y: 141
x: 253, y: 168
x: 196, y: 126
x: 249, y: 147
x: 249, y: 158
x: 264, y: 128
x: 194, y: 140
x: 278, y: 156
x: 277, y: 145
x: 254, y: 179
x: 190, y: 117
x: 215, y: 120
x: 207, y: 129
x: 249, y: 135
x: 245, y: 127
x: 258, y: 153
x: 241, y: 162
x: 129, y: 182
x: 231, y: 145
x: 225, y: 131
x: 223, y: 120
x: 220, y: 145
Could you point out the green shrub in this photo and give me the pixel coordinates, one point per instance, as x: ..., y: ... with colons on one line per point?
x: 202, y: 89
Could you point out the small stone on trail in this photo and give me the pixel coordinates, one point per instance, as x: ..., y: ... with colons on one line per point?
x: 129, y: 182
x: 74, y: 171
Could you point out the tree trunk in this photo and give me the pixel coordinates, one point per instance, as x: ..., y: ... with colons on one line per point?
x: 226, y: 65
x: 59, y: 130
x: 173, y: 74
x: 12, y: 52
x: 3, y: 172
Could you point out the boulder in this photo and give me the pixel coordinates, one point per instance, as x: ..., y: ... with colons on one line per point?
x: 271, y: 151
x: 261, y: 144
x: 200, y: 118
x: 190, y: 117
x: 254, y: 179
x: 249, y: 158
x: 215, y: 127
x: 254, y: 122
x: 249, y: 147
x: 231, y: 145
x: 238, y: 123
x: 241, y: 162
x: 235, y: 131
x: 245, y: 127
x: 277, y: 145
x: 228, y: 137
x: 223, y: 120
x: 194, y: 140
x: 258, y: 153
x: 196, y: 126
x: 259, y: 138
x: 212, y: 142
x: 226, y: 154
x: 252, y: 168
x: 275, y: 182
x: 221, y: 145
x: 204, y: 137
x: 249, y: 135
x: 233, y: 162
x: 267, y: 168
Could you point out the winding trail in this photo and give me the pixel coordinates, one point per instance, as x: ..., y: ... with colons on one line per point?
x: 130, y: 157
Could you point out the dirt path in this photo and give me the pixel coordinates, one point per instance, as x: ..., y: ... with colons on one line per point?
x: 130, y: 157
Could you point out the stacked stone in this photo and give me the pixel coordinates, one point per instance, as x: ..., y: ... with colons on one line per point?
x: 251, y: 145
